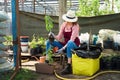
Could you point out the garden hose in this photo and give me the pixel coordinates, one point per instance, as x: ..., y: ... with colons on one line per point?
x: 88, y: 78
x: 25, y: 60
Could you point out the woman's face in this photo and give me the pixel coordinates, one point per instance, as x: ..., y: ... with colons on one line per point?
x: 69, y: 22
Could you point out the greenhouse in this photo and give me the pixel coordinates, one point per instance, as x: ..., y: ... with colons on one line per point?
x: 59, y: 40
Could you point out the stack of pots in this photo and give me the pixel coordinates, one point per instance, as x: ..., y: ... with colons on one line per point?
x: 24, y: 43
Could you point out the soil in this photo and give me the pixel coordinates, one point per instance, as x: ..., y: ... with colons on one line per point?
x: 106, y: 76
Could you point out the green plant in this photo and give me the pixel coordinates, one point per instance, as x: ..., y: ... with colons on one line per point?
x: 36, y: 40
x: 49, y: 55
x: 37, y: 45
x: 8, y: 40
x: 92, y: 8
x: 41, y: 41
x: 33, y: 43
x: 49, y: 26
x: 49, y: 23
x: 23, y: 74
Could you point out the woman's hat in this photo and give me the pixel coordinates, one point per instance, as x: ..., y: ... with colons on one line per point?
x: 70, y: 16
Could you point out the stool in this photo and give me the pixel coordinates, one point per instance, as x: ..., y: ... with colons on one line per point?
x: 62, y: 58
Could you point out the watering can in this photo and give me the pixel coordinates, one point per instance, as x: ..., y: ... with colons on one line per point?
x: 40, y: 59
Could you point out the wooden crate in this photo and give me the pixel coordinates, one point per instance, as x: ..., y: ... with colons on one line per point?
x: 44, y: 68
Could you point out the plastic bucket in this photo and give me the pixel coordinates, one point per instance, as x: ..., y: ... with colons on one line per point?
x: 24, y: 43
x: 24, y: 38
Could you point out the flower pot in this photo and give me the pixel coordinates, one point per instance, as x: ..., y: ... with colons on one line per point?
x: 10, y: 47
x: 33, y: 51
x: 55, y: 49
x: 36, y: 50
x: 105, y: 63
x: 24, y: 43
x: 118, y: 63
x: 42, y: 59
x: 108, y: 44
x: 24, y: 48
x: 24, y: 38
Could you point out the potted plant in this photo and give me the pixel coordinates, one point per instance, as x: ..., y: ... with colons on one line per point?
x: 36, y: 45
x: 49, y: 27
x: 8, y: 42
x: 49, y: 23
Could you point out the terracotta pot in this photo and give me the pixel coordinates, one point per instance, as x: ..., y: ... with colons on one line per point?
x: 42, y: 59
x: 55, y: 49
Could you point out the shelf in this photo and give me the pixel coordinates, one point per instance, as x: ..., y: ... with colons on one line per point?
x: 22, y: 54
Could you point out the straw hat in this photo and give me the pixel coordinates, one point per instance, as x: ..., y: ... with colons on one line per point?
x: 70, y: 16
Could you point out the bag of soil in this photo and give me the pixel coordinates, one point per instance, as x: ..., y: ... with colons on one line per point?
x: 93, y: 52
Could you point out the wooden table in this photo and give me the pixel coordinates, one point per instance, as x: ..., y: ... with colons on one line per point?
x: 22, y: 54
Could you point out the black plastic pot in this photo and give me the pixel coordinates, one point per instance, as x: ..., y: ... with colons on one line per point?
x: 105, y: 63
x: 36, y: 50
x: 116, y: 47
x: 33, y: 51
x: 108, y: 44
x: 102, y: 63
x: 110, y: 62
x: 118, y: 63
x: 10, y: 47
x: 113, y: 62
x: 39, y: 49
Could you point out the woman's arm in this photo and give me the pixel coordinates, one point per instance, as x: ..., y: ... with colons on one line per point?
x: 75, y: 32
x: 60, y: 34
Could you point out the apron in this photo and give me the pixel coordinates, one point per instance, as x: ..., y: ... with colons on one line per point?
x: 67, y: 36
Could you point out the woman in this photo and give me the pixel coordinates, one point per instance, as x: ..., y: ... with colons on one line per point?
x: 67, y: 38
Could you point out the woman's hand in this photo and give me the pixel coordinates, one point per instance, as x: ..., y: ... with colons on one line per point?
x: 60, y: 51
x: 51, y: 37
x: 52, y: 34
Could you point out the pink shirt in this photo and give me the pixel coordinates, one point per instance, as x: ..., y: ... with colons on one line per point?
x: 75, y: 32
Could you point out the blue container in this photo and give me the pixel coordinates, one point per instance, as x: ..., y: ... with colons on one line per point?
x: 24, y: 38
x: 24, y: 43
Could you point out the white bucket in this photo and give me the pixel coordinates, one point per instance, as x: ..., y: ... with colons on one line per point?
x: 24, y: 48
x: 24, y: 43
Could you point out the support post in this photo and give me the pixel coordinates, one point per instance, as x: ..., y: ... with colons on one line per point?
x: 15, y: 33
x: 62, y: 10
x: 34, y: 6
